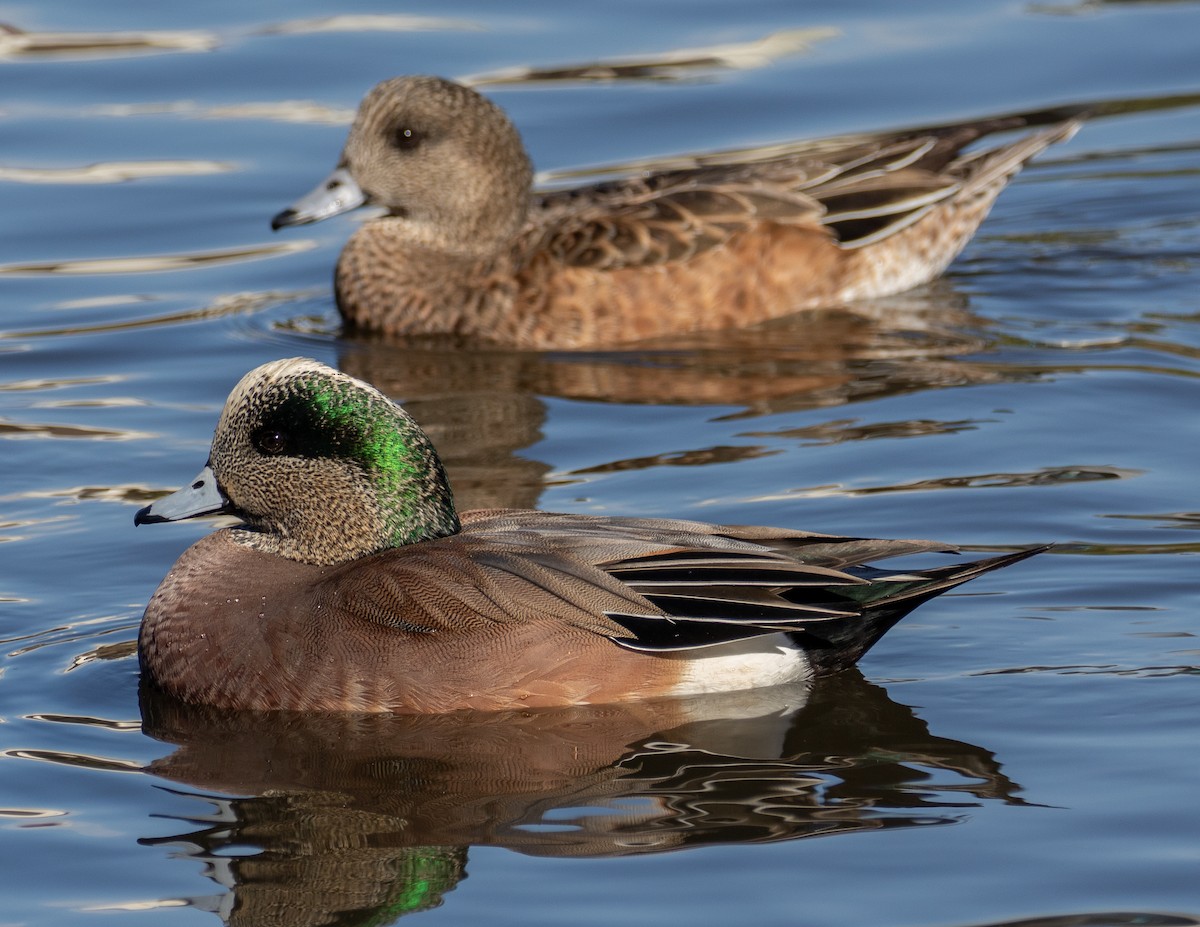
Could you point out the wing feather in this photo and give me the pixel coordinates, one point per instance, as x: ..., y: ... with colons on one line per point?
x: 859, y: 190
x: 648, y: 584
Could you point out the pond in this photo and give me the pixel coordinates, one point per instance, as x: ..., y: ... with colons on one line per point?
x: 1021, y: 750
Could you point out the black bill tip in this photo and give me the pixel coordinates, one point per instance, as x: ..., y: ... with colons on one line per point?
x: 145, y: 517
x: 283, y: 219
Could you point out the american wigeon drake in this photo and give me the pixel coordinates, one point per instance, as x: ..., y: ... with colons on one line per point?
x: 468, y: 249
x: 353, y: 583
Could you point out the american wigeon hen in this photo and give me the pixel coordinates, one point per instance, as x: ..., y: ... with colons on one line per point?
x: 353, y: 583
x: 467, y: 248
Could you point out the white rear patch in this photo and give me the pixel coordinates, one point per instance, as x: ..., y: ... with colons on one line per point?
x: 770, y: 660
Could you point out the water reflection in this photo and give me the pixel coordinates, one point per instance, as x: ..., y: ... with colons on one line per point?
x: 370, y: 22
x: 114, y: 171
x: 1105, y: 919
x: 675, y: 64
x: 482, y: 408
x: 17, y: 43
x: 351, y: 816
x: 156, y: 263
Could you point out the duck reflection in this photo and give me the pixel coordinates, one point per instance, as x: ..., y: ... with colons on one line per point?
x: 344, y: 817
x: 483, y: 407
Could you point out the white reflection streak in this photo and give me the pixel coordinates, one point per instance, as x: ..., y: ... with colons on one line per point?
x: 114, y: 171
x: 15, y: 43
x: 157, y: 263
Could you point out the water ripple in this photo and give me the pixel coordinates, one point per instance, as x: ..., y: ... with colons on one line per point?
x: 155, y: 263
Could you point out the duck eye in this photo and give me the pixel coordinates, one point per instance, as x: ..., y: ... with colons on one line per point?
x: 270, y: 441
x: 408, y: 138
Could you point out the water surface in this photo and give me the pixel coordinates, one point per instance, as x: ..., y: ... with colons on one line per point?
x: 1022, y: 751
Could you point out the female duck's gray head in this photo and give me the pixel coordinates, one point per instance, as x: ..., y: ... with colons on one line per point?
x: 446, y: 163
x: 321, y: 467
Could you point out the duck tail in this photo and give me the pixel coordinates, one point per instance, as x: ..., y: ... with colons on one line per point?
x: 989, y: 170
x: 834, y: 646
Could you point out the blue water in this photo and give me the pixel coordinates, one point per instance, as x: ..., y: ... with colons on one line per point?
x: 1023, y: 750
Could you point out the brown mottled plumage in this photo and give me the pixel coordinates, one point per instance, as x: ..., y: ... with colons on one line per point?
x: 466, y: 249
x: 353, y: 585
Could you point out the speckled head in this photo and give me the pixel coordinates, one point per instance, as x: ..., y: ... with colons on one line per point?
x: 324, y: 468
x: 443, y: 159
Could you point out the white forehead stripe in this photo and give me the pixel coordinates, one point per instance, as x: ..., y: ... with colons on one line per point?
x: 286, y: 369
